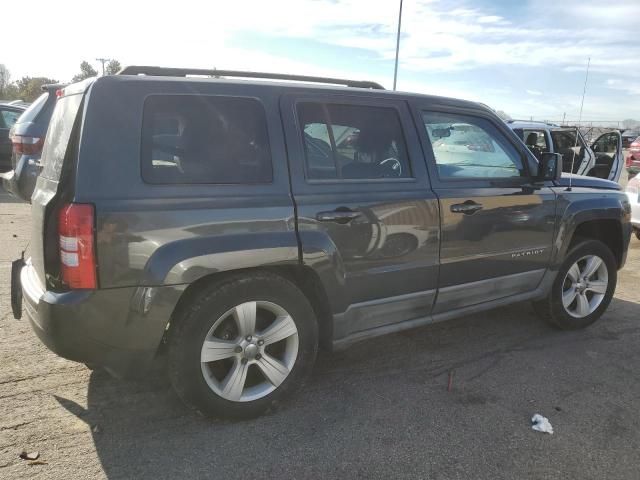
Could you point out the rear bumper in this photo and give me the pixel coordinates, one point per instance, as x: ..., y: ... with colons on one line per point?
x: 21, y: 181
x: 101, y: 327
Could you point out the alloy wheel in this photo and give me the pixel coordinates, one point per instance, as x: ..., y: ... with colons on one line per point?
x: 249, y: 351
x: 585, y: 286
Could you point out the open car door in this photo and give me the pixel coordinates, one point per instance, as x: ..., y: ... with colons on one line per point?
x: 575, y: 152
x: 609, y: 157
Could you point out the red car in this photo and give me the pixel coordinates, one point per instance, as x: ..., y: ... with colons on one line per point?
x: 633, y: 158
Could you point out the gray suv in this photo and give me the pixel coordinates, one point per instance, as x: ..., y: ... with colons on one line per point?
x: 239, y: 224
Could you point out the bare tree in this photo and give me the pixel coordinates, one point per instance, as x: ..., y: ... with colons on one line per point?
x: 5, y: 80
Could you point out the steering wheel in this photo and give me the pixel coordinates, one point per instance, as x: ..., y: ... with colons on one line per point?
x: 391, y: 167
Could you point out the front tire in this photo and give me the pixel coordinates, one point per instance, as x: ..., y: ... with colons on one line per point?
x: 583, y: 288
x: 242, y: 346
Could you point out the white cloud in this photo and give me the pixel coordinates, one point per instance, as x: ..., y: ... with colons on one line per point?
x: 533, y: 92
x: 630, y: 87
x: 453, y: 37
x: 490, y: 19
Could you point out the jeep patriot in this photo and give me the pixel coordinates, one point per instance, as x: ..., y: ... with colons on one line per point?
x: 237, y: 222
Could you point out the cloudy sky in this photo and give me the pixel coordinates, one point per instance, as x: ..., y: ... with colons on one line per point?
x: 525, y: 57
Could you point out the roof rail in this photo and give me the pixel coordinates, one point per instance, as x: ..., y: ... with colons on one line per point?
x: 183, y: 72
x: 541, y: 122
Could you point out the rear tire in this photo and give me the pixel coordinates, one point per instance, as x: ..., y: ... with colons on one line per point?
x: 637, y: 232
x: 242, y: 346
x: 583, y: 288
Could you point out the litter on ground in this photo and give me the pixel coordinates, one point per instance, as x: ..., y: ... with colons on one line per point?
x: 541, y: 424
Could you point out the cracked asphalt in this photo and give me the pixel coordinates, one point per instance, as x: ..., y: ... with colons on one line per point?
x: 378, y: 410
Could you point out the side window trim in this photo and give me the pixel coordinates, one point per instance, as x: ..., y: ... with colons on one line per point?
x: 418, y: 107
x: 356, y: 102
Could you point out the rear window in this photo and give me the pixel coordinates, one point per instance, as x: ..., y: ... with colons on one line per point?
x: 34, y: 109
x: 58, y: 135
x: 193, y: 139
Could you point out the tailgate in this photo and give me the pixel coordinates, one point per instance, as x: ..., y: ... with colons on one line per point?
x: 56, y: 154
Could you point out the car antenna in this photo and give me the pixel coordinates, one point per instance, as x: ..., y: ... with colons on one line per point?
x: 584, y: 91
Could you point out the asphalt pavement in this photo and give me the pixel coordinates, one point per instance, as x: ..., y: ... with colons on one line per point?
x: 380, y: 409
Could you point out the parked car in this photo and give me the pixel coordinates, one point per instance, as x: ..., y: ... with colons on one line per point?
x: 9, y: 113
x: 633, y: 192
x: 238, y: 225
x: 602, y: 159
x: 629, y: 136
x: 633, y: 158
x: 27, y: 138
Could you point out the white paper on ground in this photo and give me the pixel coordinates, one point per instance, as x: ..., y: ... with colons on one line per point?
x: 541, y: 424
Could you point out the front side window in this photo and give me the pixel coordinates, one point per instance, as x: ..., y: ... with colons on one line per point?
x: 352, y: 142
x: 468, y: 147
x: 195, y: 139
x: 607, y: 143
x: 536, y: 139
x: 536, y: 142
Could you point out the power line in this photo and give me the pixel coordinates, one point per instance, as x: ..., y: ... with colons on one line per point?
x: 103, y: 61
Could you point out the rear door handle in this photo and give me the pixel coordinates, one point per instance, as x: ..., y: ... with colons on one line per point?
x: 338, y: 216
x: 468, y: 208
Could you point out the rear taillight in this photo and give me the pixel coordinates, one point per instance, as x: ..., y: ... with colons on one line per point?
x: 77, y: 255
x: 24, y: 145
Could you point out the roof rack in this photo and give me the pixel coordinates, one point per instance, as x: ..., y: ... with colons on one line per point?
x: 183, y: 72
x: 541, y: 122
x: 48, y: 87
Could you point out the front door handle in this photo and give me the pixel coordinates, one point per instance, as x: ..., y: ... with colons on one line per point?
x: 468, y: 208
x: 341, y: 216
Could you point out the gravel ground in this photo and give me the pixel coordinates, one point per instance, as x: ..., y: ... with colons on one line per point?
x: 378, y: 410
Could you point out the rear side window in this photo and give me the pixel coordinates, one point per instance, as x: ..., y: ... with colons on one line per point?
x: 59, y: 135
x: 352, y: 142
x: 193, y: 139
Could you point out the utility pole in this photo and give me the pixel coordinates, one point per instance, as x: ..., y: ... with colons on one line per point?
x: 103, y: 61
x: 395, y: 70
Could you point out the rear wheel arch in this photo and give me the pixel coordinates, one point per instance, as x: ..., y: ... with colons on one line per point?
x: 231, y: 373
x: 303, y: 277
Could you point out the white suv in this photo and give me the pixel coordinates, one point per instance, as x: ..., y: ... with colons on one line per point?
x: 633, y: 192
x: 603, y: 159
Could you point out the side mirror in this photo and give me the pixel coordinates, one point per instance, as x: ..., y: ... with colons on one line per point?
x: 550, y: 166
